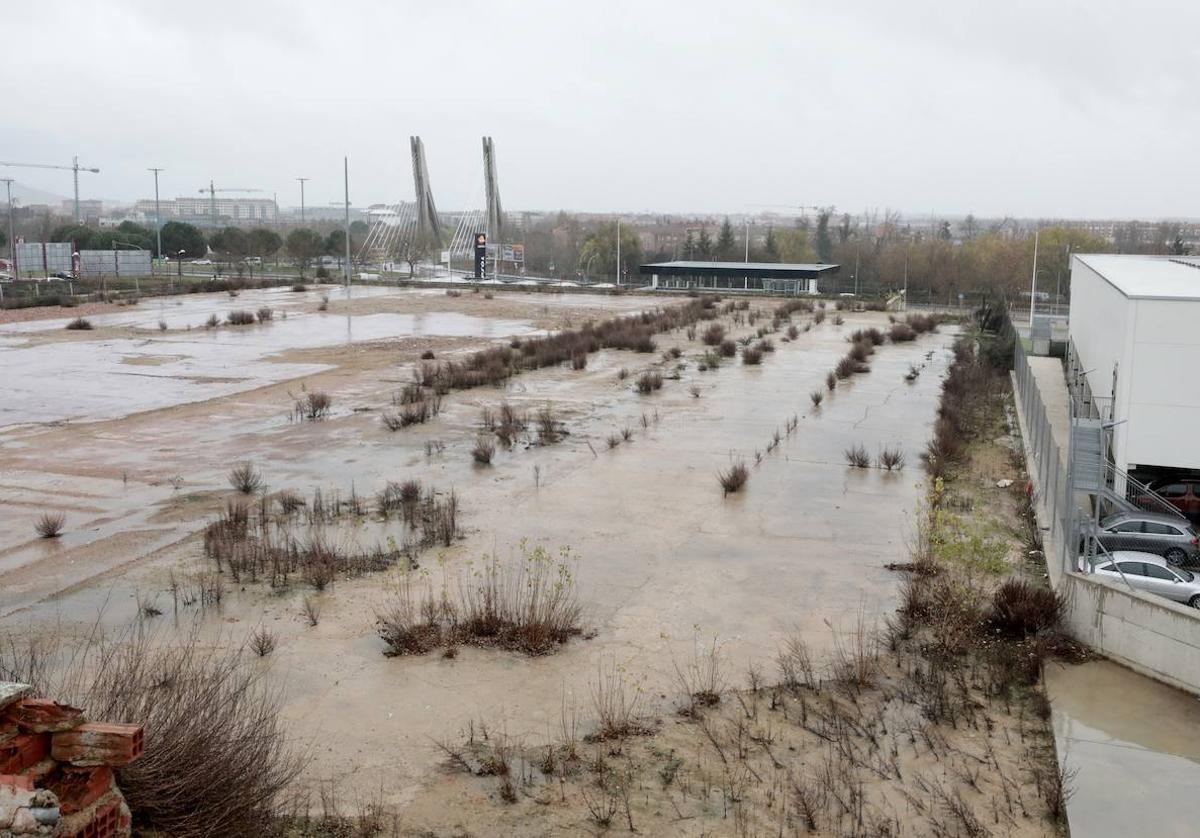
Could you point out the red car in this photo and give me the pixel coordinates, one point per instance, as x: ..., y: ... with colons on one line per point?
x: 1181, y: 493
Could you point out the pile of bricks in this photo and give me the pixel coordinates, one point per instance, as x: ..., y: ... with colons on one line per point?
x: 56, y: 769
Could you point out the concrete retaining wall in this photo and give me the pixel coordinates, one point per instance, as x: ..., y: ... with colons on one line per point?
x: 1149, y: 634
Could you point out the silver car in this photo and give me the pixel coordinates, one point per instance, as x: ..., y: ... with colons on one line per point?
x: 1150, y: 573
x: 1169, y: 536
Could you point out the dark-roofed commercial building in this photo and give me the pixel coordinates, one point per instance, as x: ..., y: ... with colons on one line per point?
x: 769, y: 277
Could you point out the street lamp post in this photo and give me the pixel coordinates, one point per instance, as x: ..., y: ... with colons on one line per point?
x: 12, y: 239
x: 618, y: 251
x: 302, y: 180
x: 157, y: 217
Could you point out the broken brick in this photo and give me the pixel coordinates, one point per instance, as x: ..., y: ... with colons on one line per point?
x: 98, y: 743
x: 44, y: 715
x: 21, y: 752
x: 79, y: 788
x: 17, y: 781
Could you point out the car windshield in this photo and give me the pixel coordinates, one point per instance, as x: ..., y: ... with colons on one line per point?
x: 1186, y: 575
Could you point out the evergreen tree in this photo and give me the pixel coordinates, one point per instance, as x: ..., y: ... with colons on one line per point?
x: 704, y: 247
x: 770, y: 247
x: 824, y: 241
x: 725, y: 243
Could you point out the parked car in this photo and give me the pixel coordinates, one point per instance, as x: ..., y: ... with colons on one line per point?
x: 1182, y: 493
x: 1165, y: 535
x: 1150, y: 573
x: 202, y: 261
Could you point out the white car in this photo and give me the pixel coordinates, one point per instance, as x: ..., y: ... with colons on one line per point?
x: 202, y: 261
x: 1150, y: 573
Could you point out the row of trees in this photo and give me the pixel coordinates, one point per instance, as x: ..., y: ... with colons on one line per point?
x: 228, y: 243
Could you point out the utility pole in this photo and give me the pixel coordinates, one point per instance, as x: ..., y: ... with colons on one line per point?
x: 856, y: 248
x: 157, y: 214
x: 618, y: 251
x: 906, y: 279
x: 12, y: 236
x: 302, y: 180
x: 346, y: 176
x: 747, y: 239
x: 1033, y: 285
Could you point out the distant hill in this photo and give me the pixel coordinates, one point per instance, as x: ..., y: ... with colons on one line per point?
x: 25, y: 195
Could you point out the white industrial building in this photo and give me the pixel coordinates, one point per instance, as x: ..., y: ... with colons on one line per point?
x: 1135, y: 332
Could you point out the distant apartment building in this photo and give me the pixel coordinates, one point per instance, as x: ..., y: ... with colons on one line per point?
x: 90, y: 209
x: 200, y: 211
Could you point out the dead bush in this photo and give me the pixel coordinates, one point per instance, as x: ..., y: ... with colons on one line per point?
x: 816, y: 396
x: 752, y: 356
x: 262, y: 641
x: 216, y: 759
x: 713, y: 334
x: 902, y: 333
x: 1020, y: 608
x: 50, y: 524
x: 312, y: 405
x: 80, y: 324
x: 616, y: 704
x: 890, y: 459
x: 245, y: 478
x: 483, y: 451
x: 240, y: 317
x: 649, y: 381
x: 264, y: 314
x: 733, y: 478
x: 727, y: 349
x: 857, y: 457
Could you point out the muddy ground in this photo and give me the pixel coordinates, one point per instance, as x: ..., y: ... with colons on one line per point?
x: 131, y: 430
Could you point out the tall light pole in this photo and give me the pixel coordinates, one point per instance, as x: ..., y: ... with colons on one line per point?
x: 747, y: 238
x: 618, y: 251
x: 12, y: 236
x: 1033, y: 286
x: 157, y: 214
x: 346, y: 176
x: 302, y: 180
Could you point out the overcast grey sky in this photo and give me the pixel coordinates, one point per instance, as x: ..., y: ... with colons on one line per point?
x: 1073, y: 108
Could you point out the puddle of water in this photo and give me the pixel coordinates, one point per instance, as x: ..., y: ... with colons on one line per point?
x: 76, y: 380
x: 1136, y: 746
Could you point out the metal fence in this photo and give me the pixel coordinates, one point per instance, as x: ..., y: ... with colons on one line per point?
x: 1053, y: 476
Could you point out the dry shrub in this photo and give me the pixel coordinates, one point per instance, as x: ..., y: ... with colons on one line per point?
x: 713, y: 334
x: 240, y: 317
x: 216, y: 760
x: 1020, y: 609
x: 50, y: 524
x: 891, y: 459
x: 245, y: 478
x: 702, y: 680
x: 264, y: 314
x: 733, y: 478
x: 857, y: 457
x: 845, y: 368
x: 795, y: 663
x: 312, y: 405
x: 831, y: 380
x: 793, y: 332
x: 483, y: 451
x: 921, y: 323
x: 311, y: 611
x: 752, y: 356
x: 80, y: 324
x: 727, y: 348
x: 616, y: 704
x: 262, y: 641
x: 649, y: 381
x: 549, y: 427
x: 817, y: 397
x: 528, y: 606
x: 902, y: 333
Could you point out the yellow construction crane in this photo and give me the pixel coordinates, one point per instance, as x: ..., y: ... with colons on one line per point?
x: 74, y: 167
x: 212, y: 197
